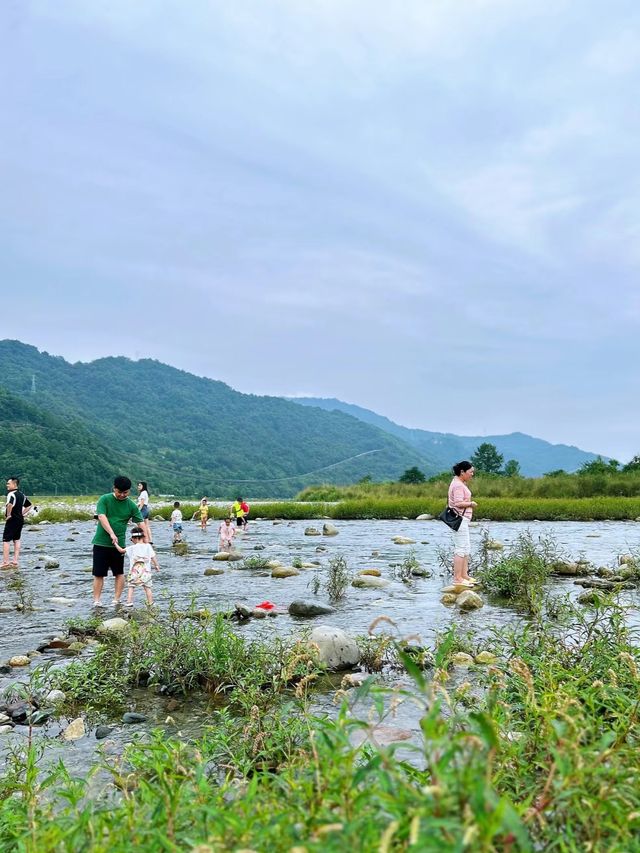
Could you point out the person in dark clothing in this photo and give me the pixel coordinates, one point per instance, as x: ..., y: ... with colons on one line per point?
x: 17, y: 507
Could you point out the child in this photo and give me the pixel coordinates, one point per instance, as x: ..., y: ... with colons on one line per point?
x: 227, y: 532
x: 244, y: 506
x: 204, y: 514
x: 176, y: 522
x: 141, y: 555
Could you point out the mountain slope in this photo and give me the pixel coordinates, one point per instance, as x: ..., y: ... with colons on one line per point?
x: 187, y: 434
x: 535, y: 455
x: 49, y: 452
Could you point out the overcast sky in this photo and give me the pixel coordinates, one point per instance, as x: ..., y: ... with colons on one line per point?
x: 429, y: 208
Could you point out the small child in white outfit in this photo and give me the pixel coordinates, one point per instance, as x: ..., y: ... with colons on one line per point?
x: 141, y: 556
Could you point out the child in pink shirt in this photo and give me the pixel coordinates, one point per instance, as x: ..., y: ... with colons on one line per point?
x: 227, y: 532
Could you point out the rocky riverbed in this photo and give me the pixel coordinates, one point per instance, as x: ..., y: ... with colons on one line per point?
x: 54, y: 585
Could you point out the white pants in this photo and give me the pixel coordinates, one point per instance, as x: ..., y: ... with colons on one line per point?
x: 462, y: 540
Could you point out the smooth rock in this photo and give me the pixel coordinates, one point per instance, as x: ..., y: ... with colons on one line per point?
x: 462, y: 659
x: 336, y: 649
x: 19, y: 711
x: 221, y: 556
x: 311, y: 531
x: 381, y: 735
x: 469, y: 600
x: 259, y: 613
x: 373, y: 572
x: 309, y: 608
x: 243, y: 611
x: 369, y: 582
x: 284, y: 572
x: 54, y: 697
x: 19, y: 660
x: 60, y: 599
x: 4, y: 730
x: 213, y: 571
x: 259, y: 547
x: 486, y: 658
x: 113, y: 626
x: 425, y: 516
x: 403, y: 540
x: 493, y: 545
x: 103, y: 732
x: 626, y: 560
x: 234, y: 556
x: 420, y: 572
x: 50, y: 562
x: 75, y: 730
x: 329, y: 529
x: 590, y: 597
x: 4, y: 718
x: 132, y: 717
x: 448, y: 598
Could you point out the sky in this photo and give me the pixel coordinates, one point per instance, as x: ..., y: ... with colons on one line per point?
x: 429, y: 208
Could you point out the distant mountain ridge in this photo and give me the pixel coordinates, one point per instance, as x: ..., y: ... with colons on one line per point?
x: 536, y: 456
x: 64, y: 424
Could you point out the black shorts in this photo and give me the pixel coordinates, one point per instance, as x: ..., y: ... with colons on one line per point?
x: 12, y: 530
x: 107, y: 558
x: 239, y: 521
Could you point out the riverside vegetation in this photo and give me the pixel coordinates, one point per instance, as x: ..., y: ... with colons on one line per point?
x: 537, y: 750
x: 409, y: 505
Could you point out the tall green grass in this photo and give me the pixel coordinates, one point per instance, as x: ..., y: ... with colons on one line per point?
x: 410, y: 506
x: 488, y: 486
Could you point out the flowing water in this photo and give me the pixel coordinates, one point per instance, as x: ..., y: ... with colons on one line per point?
x: 414, y: 607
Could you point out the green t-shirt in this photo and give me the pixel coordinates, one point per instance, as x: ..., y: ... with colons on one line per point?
x: 118, y: 513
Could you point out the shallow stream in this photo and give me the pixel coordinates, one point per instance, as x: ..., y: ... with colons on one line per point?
x: 414, y: 607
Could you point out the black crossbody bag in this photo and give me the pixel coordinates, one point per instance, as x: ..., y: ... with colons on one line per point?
x: 451, y: 518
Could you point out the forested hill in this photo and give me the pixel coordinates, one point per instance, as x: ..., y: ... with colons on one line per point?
x: 182, y: 433
x: 535, y: 455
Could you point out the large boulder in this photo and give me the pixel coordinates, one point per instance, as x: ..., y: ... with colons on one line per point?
x: 213, y: 570
x: 113, y: 627
x: 336, y: 649
x: 221, y: 556
x: 311, y: 531
x: 329, y: 529
x: 309, y: 608
x: 469, y: 600
x: 403, y: 540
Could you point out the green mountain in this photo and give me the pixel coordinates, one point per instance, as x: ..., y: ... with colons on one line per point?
x: 71, y: 427
x: 535, y: 455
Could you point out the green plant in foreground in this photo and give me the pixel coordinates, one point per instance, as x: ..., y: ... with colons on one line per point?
x: 545, y: 760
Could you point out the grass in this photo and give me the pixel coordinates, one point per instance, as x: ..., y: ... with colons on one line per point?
x: 409, y: 504
x: 543, y: 758
x: 521, y: 573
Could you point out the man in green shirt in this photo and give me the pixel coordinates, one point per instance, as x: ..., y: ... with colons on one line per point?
x: 114, y: 512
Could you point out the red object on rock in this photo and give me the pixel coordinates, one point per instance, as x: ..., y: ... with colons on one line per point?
x: 265, y: 605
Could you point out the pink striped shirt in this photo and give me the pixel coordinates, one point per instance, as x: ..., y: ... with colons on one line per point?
x: 460, y: 493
